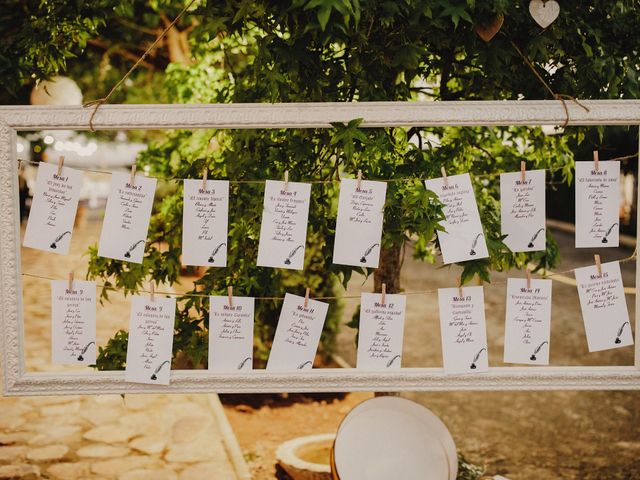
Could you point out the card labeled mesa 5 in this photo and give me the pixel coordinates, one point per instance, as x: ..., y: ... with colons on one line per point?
x: 150, y: 340
x: 463, y: 238
x: 204, y: 223
x: 528, y: 322
x: 381, y: 331
x: 126, y: 218
x: 53, y: 209
x: 231, y: 333
x: 73, y: 322
x: 604, y: 308
x: 298, y: 334
x: 283, y: 232
x: 597, y: 204
x: 522, y: 210
x: 359, y: 223
x: 463, y: 329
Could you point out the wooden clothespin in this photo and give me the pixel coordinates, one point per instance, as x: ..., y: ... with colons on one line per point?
x: 444, y: 176
x: 383, y: 296
x: 598, y: 264
x: 359, y: 180
x: 286, y: 180
x: 528, y: 279
x: 230, y: 294
x: 60, y: 164
x: 523, y: 169
x: 596, y: 161
x: 306, y: 298
x: 460, y: 292
x: 132, y: 180
x: 70, y: 281
x: 152, y: 292
x: 204, y: 179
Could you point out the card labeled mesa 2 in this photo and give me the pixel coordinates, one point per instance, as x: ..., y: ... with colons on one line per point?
x: 283, y: 232
x: 150, y: 340
x: 528, y: 322
x: 604, y: 308
x: 381, y: 331
x: 463, y: 329
x: 597, y: 204
x: 522, y: 210
x: 359, y: 223
x: 231, y: 333
x: 205, y: 222
x: 73, y: 322
x: 463, y: 238
x: 126, y: 218
x: 53, y: 209
x: 297, y: 335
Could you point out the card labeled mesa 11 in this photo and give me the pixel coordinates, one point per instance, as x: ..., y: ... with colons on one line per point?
x: 231, y: 333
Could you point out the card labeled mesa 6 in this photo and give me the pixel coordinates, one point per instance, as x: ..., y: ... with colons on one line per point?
x: 359, y: 223
x: 53, y: 209
x: 231, y: 333
x: 126, y: 217
x: 463, y: 238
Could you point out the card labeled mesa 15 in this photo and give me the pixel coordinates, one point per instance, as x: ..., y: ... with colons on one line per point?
x: 126, y: 217
x: 53, y: 209
x: 230, y: 333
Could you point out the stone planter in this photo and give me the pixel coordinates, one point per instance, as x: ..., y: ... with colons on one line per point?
x: 307, y: 458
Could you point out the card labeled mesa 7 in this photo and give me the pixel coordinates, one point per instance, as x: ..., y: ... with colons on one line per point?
x: 230, y: 333
x: 204, y: 223
x: 522, y: 210
x: 150, y: 340
x: 298, y: 334
x: 73, y: 322
x: 463, y: 238
x: 126, y: 218
x: 597, y: 204
x: 359, y: 223
x: 381, y: 331
x: 53, y: 209
x: 463, y: 329
x: 604, y: 308
x: 528, y: 323
x: 283, y: 232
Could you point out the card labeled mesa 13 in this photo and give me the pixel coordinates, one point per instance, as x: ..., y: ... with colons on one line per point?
x: 53, y: 209
x: 126, y: 217
x: 463, y: 238
x: 297, y: 335
x: 359, y: 223
x: 150, y: 340
x: 231, y: 333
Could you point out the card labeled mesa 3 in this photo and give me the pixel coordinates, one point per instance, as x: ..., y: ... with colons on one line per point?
x: 126, y: 217
x: 53, y: 209
x: 231, y: 333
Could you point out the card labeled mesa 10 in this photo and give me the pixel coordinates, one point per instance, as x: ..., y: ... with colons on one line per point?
x: 231, y: 333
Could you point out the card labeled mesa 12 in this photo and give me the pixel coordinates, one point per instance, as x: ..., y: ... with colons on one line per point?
x: 230, y: 333
x: 53, y: 209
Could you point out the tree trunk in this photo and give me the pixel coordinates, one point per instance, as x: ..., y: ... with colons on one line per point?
x: 388, y: 272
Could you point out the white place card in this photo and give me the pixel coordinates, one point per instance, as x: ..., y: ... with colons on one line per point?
x: 527, y: 333
x: 73, y: 322
x: 463, y: 329
x: 597, y: 204
x: 126, y: 218
x: 231, y: 333
x: 53, y: 209
x: 463, y: 238
x: 604, y: 308
x: 150, y: 344
x: 283, y: 232
x: 381, y: 331
x: 205, y: 222
x: 297, y: 335
x: 359, y: 223
x: 522, y: 210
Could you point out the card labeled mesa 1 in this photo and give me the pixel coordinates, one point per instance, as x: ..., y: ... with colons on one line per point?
x: 463, y: 329
x: 73, y: 322
x: 126, y: 218
x: 604, y: 308
x: 283, y: 232
x: 150, y: 340
x: 53, y: 209
x: 463, y: 238
x: 522, y: 210
x: 597, y: 204
x: 231, y: 333
x: 297, y: 335
x: 359, y: 223
x: 381, y: 331
x: 205, y: 222
x: 528, y: 322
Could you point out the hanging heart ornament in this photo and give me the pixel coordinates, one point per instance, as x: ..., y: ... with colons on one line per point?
x: 486, y: 31
x: 544, y: 12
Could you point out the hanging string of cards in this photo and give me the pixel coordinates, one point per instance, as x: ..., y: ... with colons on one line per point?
x: 357, y: 242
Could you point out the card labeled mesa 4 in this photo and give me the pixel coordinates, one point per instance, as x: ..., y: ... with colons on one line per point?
x: 463, y: 238
x: 359, y: 223
x: 231, y: 333
x: 53, y: 209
